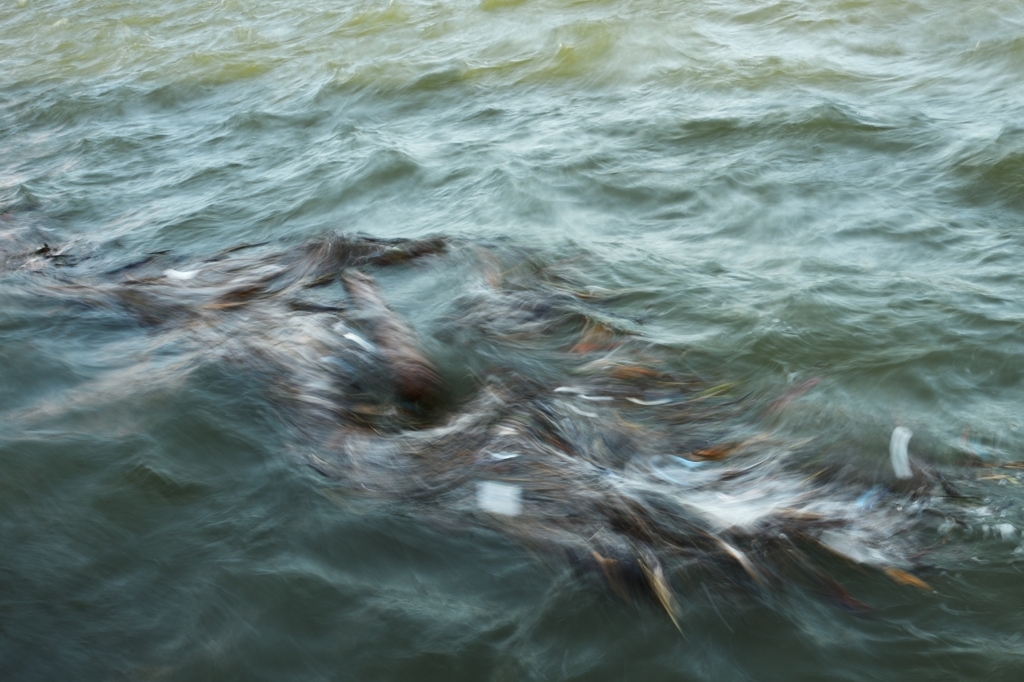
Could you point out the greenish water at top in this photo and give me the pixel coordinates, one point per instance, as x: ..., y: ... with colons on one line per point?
x: 787, y: 190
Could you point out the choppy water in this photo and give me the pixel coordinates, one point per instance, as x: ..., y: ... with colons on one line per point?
x: 778, y: 191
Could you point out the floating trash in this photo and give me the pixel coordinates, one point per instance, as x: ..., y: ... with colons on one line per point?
x: 650, y: 403
x: 870, y: 497
x: 360, y: 341
x: 898, y: 454
x: 742, y: 502
x: 180, y: 274
x: 499, y: 498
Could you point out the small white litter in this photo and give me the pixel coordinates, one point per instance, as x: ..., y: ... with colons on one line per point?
x: 366, y: 345
x: 898, y: 451
x: 499, y: 498
x: 180, y: 274
x: 648, y: 403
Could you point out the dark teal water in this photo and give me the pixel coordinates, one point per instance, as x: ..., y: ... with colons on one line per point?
x: 778, y: 191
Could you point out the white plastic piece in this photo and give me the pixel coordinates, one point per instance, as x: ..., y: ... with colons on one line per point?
x: 898, y: 451
x: 180, y: 274
x: 648, y: 403
x: 366, y: 345
x: 499, y: 498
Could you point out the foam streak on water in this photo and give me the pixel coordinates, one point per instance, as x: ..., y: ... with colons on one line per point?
x: 773, y: 195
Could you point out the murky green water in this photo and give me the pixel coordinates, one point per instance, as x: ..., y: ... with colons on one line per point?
x: 784, y: 190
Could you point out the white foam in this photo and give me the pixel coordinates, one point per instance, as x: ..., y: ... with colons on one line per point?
x: 582, y: 413
x: 1005, y: 530
x: 743, y: 509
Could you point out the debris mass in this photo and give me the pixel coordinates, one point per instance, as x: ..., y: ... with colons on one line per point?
x: 569, y: 431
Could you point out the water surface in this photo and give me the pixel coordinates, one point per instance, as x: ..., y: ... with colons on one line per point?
x: 784, y: 190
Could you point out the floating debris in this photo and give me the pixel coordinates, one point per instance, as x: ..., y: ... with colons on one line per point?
x: 360, y: 341
x: 870, y: 497
x: 898, y: 454
x: 499, y: 498
x: 355, y: 384
x: 904, y: 578
x: 655, y: 575
x: 582, y: 413
x: 650, y: 403
x: 181, y: 275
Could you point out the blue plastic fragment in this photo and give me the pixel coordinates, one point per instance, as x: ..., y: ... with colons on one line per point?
x: 870, y: 497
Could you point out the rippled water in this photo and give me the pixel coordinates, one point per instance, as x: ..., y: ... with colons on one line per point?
x: 779, y: 191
